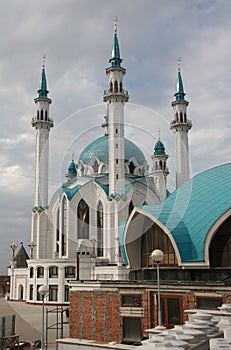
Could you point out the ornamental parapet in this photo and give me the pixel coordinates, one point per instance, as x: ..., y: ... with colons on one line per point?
x: 120, y: 95
x: 187, y: 124
x: 49, y: 122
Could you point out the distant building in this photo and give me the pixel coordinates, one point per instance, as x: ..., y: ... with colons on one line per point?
x: 4, y: 285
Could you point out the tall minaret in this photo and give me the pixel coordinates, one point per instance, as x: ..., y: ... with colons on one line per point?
x: 116, y: 97
x: 181, y: 125
x: 42, y: 123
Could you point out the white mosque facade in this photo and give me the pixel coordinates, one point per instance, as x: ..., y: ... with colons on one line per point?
x: 77, y: 235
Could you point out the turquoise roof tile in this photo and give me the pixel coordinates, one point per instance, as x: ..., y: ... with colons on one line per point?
x: 191, y: 210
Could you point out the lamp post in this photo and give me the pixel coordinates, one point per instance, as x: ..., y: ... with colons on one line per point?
x: 157, y: 257
x: 13, y: 247
x: 43, y: 292
x: 32, y: 245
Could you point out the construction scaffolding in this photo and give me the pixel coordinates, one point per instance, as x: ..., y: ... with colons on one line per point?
x: 58, y: 326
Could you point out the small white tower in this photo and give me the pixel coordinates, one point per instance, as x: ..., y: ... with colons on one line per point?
x: 181, y: 125
x: 116, y: 97
x: 42, y: 123
x: 160, y: 169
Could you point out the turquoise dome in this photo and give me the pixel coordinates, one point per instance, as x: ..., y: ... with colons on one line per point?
x: 72, y: 169
x: 159, y: 149
x: 99, y: 149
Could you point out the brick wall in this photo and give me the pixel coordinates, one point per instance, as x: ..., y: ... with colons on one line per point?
x: 95, y: 315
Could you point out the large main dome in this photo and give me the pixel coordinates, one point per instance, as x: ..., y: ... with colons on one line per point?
x: 99, y: 149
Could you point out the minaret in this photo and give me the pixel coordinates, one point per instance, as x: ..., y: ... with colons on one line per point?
x: 116, y: 97
x: 181, y: 125
x: 42, y: 123
x: 160, y: 169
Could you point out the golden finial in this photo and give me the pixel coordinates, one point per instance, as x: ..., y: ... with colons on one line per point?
x: 159, y: 134
x: 43, y: 60
x: 115, y: 24
x: 179, y: 61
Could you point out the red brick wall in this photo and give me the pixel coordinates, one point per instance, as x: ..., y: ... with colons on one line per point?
x: 95, y: 315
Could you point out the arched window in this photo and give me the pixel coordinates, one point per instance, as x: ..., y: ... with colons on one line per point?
x: 161, y: 166
x: 45, y: 115
x: 177, y: 117
x: 40, y: 272
x: 42, y: 114
x: 31, y: 272
x: 95, y: 166
x: 57, y: 233
x: 131, y: 167
x: 220, y: 248
x: 64, y: 227
x: 53, y: 272
x: 181, y: 117
x: 83, y: 220
x: 70, y: 272
x: 130, y: 208
x: 185, y: 118
x: 100, y: 229
x: 111, y: 86
x: 116, y: 86
x: 121, y: 87
x: 155, y: 238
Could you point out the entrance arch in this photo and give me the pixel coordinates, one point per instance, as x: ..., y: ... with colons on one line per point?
x: 20, y: 292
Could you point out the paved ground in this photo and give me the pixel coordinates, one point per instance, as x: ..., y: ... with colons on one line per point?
x: 29, y: 320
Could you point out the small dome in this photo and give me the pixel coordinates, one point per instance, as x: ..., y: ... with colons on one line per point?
x: 72, y: 169
x: 99, y: 149
x: 159, y: 149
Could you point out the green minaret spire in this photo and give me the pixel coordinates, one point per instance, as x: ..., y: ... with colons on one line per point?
x: 115, y: 59
x: 180, y: 94
x: 43, y: 82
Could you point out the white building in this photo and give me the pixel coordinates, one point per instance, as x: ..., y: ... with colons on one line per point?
x: 76, y: 236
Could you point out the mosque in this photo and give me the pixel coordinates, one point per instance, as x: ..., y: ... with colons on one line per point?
x: 98, y: 231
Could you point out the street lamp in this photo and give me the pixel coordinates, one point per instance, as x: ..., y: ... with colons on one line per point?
x: 157, y: 257
x: 13, y: 247
x: 32, y: 245
x: 43, y: 292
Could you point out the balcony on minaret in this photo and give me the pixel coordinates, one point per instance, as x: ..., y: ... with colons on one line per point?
x: 178, y: 123
x: 123, y: 93
x: 45, y: 122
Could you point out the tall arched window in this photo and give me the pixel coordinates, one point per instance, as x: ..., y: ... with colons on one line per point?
x: 116, y: 86
x: 64, y: 227
x: 220, y: 248
x: 130, y: 208
x: 131, y: 167
x: 57, y: 233
x: 100, y: 230
x: 42, y: 114
x: 83, y: 220
x: 156, y: 238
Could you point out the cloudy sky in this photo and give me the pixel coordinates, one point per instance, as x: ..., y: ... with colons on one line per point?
x: 76, y: 36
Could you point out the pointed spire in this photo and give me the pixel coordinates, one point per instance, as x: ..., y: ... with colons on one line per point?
x: 43, y: 82
x: 115, y: 59
x: 179, y: 86
x: 73, y: 157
